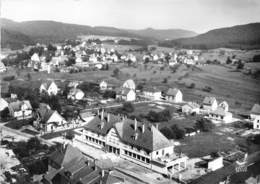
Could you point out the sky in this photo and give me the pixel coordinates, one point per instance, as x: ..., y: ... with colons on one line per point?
x: 196, y: 15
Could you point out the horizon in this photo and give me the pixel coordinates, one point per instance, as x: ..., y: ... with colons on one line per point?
x: 147, y: 13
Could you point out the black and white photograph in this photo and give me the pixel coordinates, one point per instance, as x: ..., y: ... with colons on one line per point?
x: 130, y: 92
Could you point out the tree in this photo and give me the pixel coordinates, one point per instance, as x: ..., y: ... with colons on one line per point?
x: 228, y: 61
x: 240, y: 65
x: 128, y: 107
x: 204, y: 125
x: 165, y: 80
x: 116, y: 72
x: 109, y: 94
x: 4, y: 113
x: 71, y: 61
x: 256, y: 58
x: 70, y: 135
x: 33, y: 143
x: 52, y: 48
x: 28, y: 76
x: 178, y: 133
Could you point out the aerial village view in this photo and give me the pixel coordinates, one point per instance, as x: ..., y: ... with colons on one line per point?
x: 89, y: 95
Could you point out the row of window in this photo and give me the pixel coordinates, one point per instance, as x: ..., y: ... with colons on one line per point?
x: 136, y: 156
x: 95, y: 140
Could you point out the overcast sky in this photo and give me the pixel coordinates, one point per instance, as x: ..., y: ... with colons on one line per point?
x: 196, y: 15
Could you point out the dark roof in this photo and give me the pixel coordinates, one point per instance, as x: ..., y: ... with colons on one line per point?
x: 65, y: 155
x: 95, y: 124
x: 151, y: 89
x: 255, y: 109
x: 216, y: 176
x: 16, y: 106
x: 172, y: 92
x: 209, y: 100
x: 150, y: 139
x: 45, y: 113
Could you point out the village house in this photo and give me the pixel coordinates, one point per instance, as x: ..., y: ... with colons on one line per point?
x: 174, y: 95
x: 68, y: 165
x: 130, y: 84
x: 224, y: 106
x: 191, y: 108
x: 2, y: 67
x: 3, y: 104
x: 255, y: 116
x: 220, y: 115
x: 103, y: 85
x: 141, y: 143
x: 152, y: 93
x: 210, y: 104
x: 75, y: 94
x: 127, y: 95
x: 49, y: 87
x: 49, y: 120
x: 20, y: 109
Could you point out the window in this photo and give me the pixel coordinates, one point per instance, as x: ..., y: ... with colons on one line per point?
x: 157, y: 152
x: 138, y: 157
x: 162, y: 152
x: 126, y: 152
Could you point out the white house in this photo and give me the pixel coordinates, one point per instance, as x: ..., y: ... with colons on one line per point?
x: 35, y: 57
x: 103, y: 85
x: 224, y: 106
x: 210, y: 103
x: 220, y: 115
x: 49, y: 87
x: 152, y: 93
x: 2, y: 67
x: 130, y: 84
x: 3, y: 104
x: 255, y: 116
x: 128, y: 95
x: 49, y: 120
x: 75, y: 94
x: 20, y: 109
x: 174, y: 95
x: 141, y: 143
x: 215, y: 163
x: 191, y: 108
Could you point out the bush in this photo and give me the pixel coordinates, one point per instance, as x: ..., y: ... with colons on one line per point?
x: 69, y: 135
x: 228, y: 61
x: 9, y: 78
x: 192, y: 85
x: 207, y: 89
x: 256, y: 58
x: 128, y: 107
x: 178, y: 133
x: 164, y: 115
x: 109, y: 94
x: 204, y: 125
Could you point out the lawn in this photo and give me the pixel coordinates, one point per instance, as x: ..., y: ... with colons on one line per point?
x: 204, y: 143
x: 17, y: 124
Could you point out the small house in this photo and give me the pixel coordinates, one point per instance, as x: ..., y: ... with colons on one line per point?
x: 50, y: 120
x: 129, y: 84
x: 49, y: 87
x: 152, y: 93
x: 191, y: 108
x: 75, y: 94
x: 20, y: 109
x: 103, y: 85
x: 2, y: 67
x: 255, y: 116
x: 220, y: 115
x: 127, y: 95
x: 3, y: 104
x: 174, y: 95
x: 210, y: 104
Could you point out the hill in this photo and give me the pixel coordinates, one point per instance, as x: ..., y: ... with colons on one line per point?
x: 51, y: 31
x: 14, y: 40
x: 164, y: 34
x: 241, y: 36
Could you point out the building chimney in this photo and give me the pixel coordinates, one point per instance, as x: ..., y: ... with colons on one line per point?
x: 102, y: 114
x: 108, y: 117
x: 136, y: 136
x: 102, y: 124
x: 103, y: 173
x: 135, y: 126
x: 143, y: 128
x: 157, y: 126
